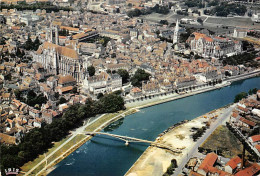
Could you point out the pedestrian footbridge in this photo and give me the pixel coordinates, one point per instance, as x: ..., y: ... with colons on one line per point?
x: 129, y: 140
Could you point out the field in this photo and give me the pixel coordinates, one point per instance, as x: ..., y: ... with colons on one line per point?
x: 224, y: 142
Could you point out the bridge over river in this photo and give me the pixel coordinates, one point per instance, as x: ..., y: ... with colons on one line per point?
x: 132, y: 139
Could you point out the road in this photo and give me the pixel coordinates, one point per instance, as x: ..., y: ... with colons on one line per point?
x: 194, y: 149
x: 74, y: 133
x: 243, y: 76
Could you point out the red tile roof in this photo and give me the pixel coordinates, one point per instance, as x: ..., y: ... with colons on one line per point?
x: 249, y: 171
x: 242, y: 109
x: 209, y: 160
x: 66, y: 79
x: 234, y: 162
x: 207, y: 165
x: 257, y: 147
x: 136, y: 89
x: 255, y: 138
x: 65, y: 89
x: 248, y: 122
x: 235, y: 114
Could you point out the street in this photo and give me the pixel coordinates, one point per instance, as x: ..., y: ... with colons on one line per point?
x: 194, y: 150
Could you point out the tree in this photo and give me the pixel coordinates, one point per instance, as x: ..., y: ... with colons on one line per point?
x: 2, y: 20
x: 240, y: 96
x: 134, y: 13
x: 56, y: 95
x: 224, y: 9
x: 250, y: 92
x: 2, y: 41
x: 62, y: 100
x: 28, y: 44
x: 31, y: 94
x: 8, y: 77
x: 118, y: 92
x: 17, y: 94
x: 99, y: 95
x: 199, y: 20
x: 75, y: 90
x: 104, y: 41
x: 91, y: 70
x: 19, y: 53
x: 33, y: 99
x: 254, y: 91
x: 109, y: 71
x: 111, y: 103
x: 113, y: 55
x: 22, y: 24
x: 124, y: 74
x: 36, y: 44
x: 164, y: 22
x: 139, y: 76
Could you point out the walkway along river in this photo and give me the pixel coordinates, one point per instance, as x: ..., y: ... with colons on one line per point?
x: 107, y: 156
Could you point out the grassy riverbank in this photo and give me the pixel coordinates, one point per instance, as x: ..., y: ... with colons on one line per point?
x: 64, y: 151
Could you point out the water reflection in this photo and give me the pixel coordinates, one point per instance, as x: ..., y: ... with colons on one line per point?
x: 114, y: 125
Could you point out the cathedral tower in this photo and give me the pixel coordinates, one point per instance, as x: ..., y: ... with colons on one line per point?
x: 51, y: 33
x: 56, y: 35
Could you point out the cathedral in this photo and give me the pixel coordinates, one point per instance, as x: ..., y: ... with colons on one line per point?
x: 59, y: 60
x: 213, y: 46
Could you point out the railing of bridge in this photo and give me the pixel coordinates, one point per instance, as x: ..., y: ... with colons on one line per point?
x: 128, y: 140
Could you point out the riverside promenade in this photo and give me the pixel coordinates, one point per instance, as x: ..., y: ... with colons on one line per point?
x: 158, y: 98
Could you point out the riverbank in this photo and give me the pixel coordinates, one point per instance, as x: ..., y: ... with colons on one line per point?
x: 174, y: 96
x: 155, y: 161
x: 106, y: 121
x: 146, y: 124
x: 44, y: 168
x: 103, y: 122
x: 146, y: 102
x: 56, y: 157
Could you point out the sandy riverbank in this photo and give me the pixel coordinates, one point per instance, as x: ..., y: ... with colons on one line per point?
x: 155, y: 161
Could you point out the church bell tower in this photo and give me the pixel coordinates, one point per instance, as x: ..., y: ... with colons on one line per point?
x: 176, y: 33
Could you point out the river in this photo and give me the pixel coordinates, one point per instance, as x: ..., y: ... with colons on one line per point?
x: 105, y: 156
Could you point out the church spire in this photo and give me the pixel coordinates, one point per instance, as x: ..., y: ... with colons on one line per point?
x: 176, y: 31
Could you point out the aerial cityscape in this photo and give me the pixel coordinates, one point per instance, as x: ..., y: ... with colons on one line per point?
x: 133, y: 87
